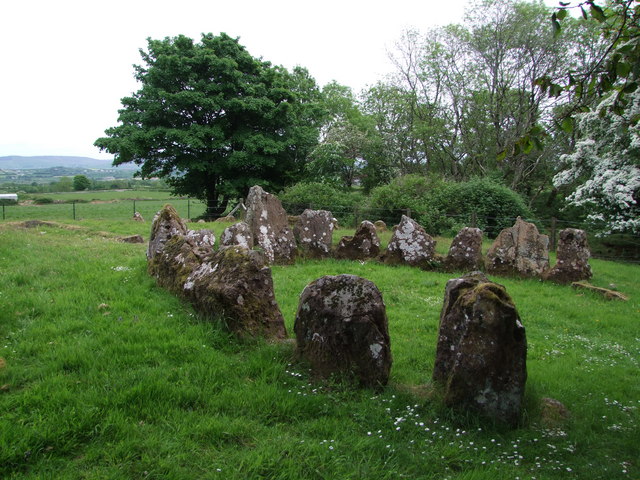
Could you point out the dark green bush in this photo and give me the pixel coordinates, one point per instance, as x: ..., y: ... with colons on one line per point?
x: 444, y: 207
x: 411, y: 192
x: 321, y: 196
x: 43, y: 200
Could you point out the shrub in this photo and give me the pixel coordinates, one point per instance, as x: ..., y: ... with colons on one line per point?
x: 43, y: 200
x: 321, y: 196
x: 444, y: 207
x: 413, y: 192
x: 495, y: 205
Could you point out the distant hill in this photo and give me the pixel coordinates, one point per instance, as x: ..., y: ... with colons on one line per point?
x: 15, y: 162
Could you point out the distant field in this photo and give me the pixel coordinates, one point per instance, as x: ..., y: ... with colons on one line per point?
x: 99, y: 204
x: 103, y: 375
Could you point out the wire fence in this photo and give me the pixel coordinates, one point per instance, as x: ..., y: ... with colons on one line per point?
x: 618, y: 247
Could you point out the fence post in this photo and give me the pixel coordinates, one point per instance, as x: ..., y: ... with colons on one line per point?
x: 553, y: 233
x: 409, y: 212
x: 189, y: 208
x: 474, y: 219
x: 134, y: 208
x: 355, y: 217
x: 3, y: 211
x: 74, y: 209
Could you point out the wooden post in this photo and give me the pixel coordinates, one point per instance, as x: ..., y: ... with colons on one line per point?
x: 134, y: 208
x: 474, y: 219
x: 189, y: 208
x: 408, y: 212
x: 74, y: 209
x: 553, y: 234
x: 3, y: 211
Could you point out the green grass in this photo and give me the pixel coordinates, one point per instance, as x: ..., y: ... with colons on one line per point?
x: 106, y: 376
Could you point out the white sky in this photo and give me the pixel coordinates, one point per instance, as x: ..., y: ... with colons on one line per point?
x: 65, y: 64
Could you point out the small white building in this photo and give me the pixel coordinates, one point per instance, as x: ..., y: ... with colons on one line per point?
x: 11, y: 197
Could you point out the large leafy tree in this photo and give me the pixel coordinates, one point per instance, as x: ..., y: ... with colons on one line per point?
x: 212, y: 120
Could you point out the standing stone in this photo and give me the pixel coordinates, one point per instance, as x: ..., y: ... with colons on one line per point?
x: 234, y: 286
x: 137, y: 217
x: 166, y: 224
x: 465, y: 253
x: 519, y: 250
x: 181, y: 255
x: 482, y: 349
x: 410, y: 245
x: 269, y: 226
x: 341, y: 329
x: 314, y: 232
x: 361, y: 246
x: 381, y: 227
x: 572, y: 264
x: 237, y: 234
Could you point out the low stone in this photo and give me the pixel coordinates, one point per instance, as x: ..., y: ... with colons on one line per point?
x: 137, y: 217
x: 410, y: 245
x: 482, y: 349
x: 519, y: 250
x: 181, y: 255
x: 234, y: 286
x: 237, y: 234
x: 269, y: 226
x: 363, y: 245
x: 381, y: 227
x: 572, y: 258
x: 314, y: 233
x: 132, y: 239
x: 226, y: 219
x: 553, y: 413
x: 166, y: 224
x: 342, y: 330
x: 465, y: 253
x: 201, y: 221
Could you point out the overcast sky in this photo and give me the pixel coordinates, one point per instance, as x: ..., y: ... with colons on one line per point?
x: 67, y: 63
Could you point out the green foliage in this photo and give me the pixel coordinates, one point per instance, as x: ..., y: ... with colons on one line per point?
x: 81, y: 182
x: 43, y: 200
x: 213, y: 120
x: 321, y: 196
x: 441, y: 207
x: 494, y: 205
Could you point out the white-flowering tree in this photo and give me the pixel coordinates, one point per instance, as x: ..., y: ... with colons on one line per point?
x: 605, y: 166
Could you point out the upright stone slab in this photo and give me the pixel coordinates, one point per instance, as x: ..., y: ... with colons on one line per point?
x: 363, y: 245
x: 237, y: 234
x: 341, y: 328
x: 410, y: 245
x: 519, y: 250
x: 137, y: 217
x: 314, y: 232
x: 482, y: 349
x: 572, y: 258
x: 269, y: 226
x: 381, y: 227
x: 234, y: 285
x: 166, y: 224
x: 465, y: 253
x: 181, y: 255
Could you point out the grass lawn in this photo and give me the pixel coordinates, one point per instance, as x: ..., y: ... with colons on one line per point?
x: 103, y: 375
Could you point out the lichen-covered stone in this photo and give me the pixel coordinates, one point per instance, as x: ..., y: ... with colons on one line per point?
x: 269, y: 226
x: 181, y: 255
x: 410, y: 245
x: 314, y: 233
x: 465, y: 253
x: 381, y: 227
x: 363, y: 245
x: 132, y: 239
x: 237, y: 234
x: 572, y: 258
x: 341, y: 329
x: 234, y: 285
x: 137, y: 217
x: 166, y: 224
x: 226, y: 219
x: 519, y: 250
x: 482, y: 349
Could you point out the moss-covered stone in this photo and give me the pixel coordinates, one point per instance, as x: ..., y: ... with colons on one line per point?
x: 482, y: 349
